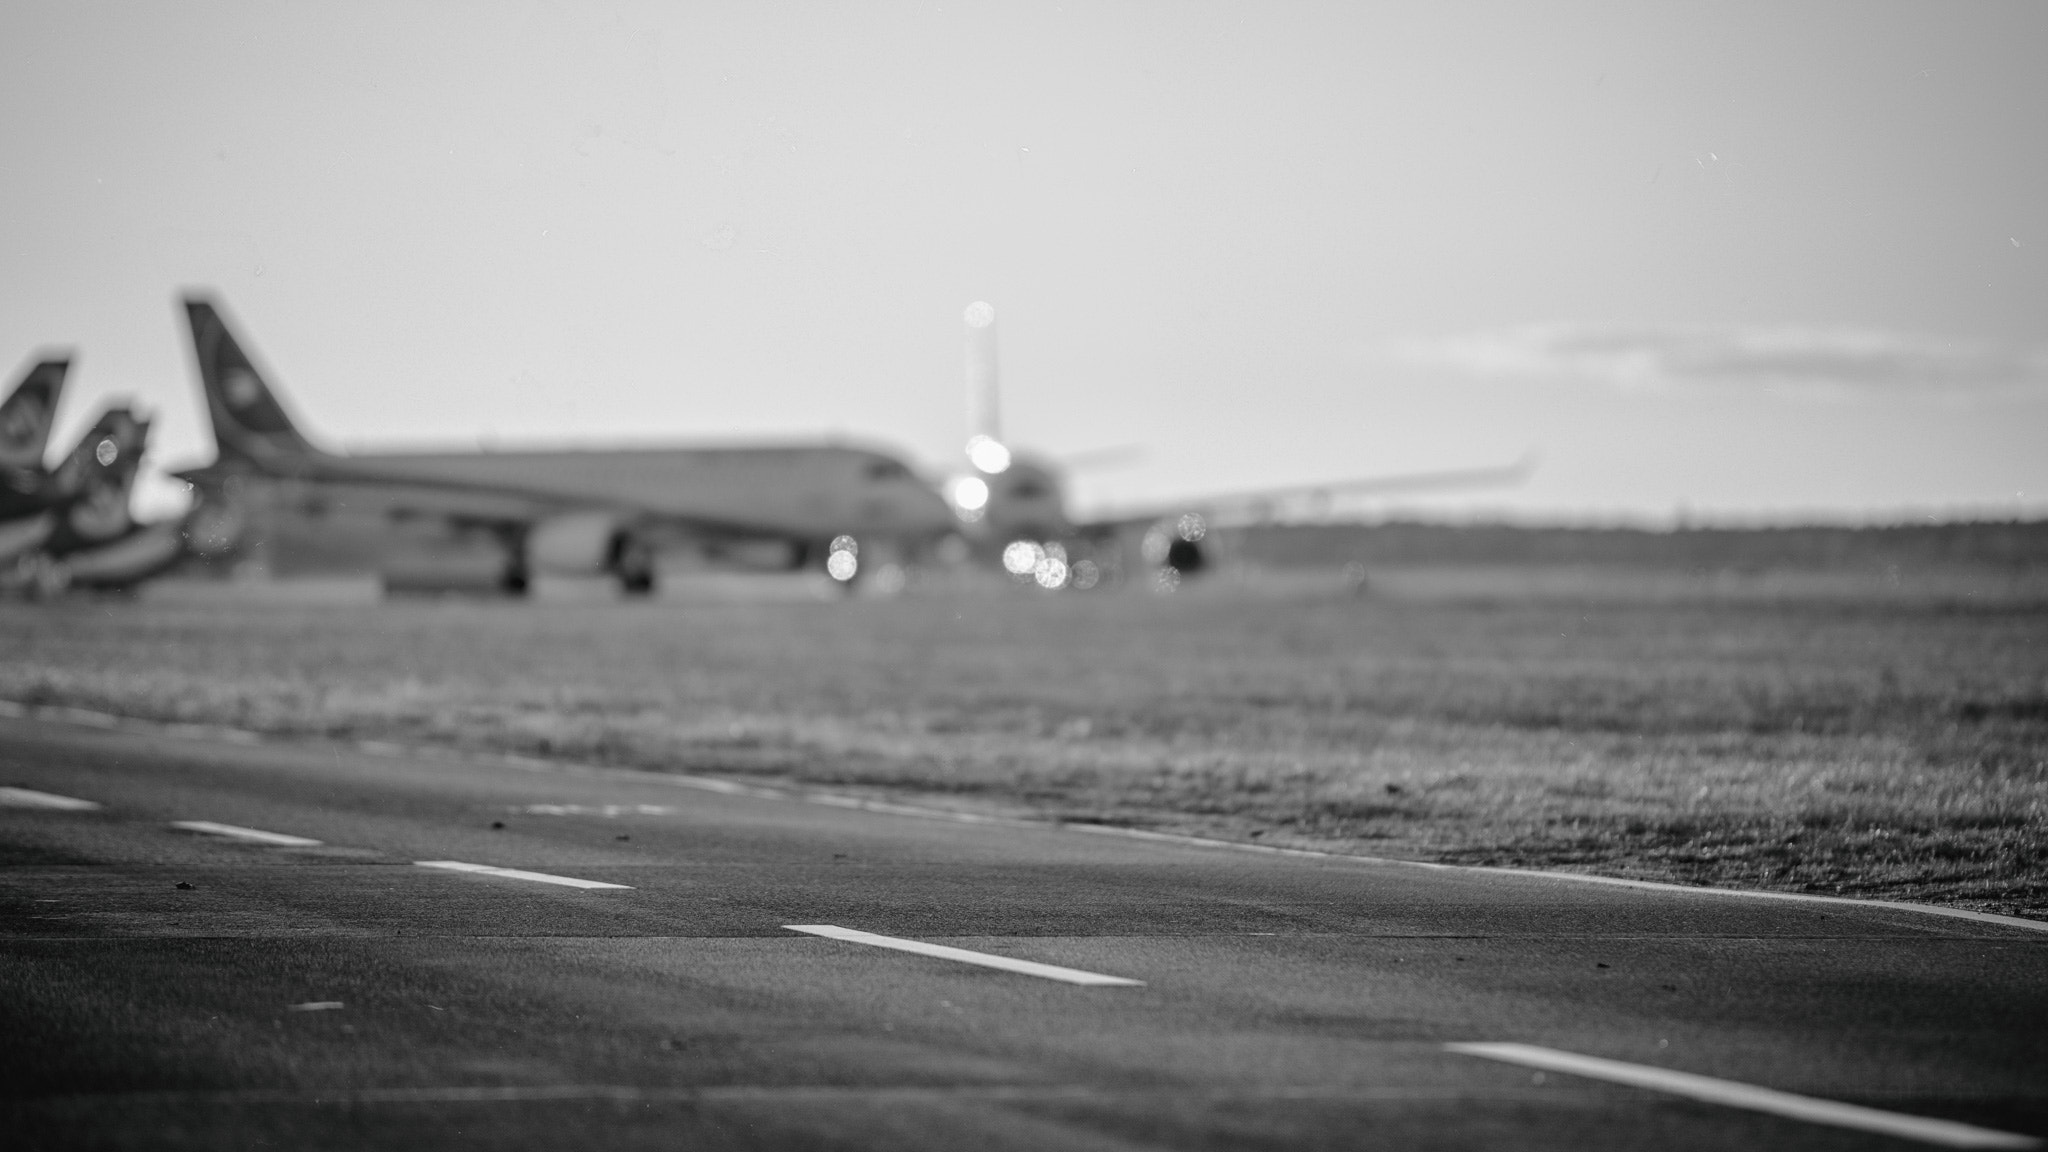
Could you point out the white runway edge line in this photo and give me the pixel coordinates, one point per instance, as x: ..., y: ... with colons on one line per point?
x: 517, y: 874
x: 1550, y: 874
x: 30, y: 798
x: 1734, y: 1094
x: 11, y: 708
x: 831, y: 800
x: 986, y: 960
x: 251, y: 835
x: 1802, y: 897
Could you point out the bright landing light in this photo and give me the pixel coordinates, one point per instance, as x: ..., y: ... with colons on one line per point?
x: 988, y: 454
x: 970, y: 494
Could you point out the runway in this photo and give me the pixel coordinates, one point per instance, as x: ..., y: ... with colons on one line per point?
x: 214, y: 942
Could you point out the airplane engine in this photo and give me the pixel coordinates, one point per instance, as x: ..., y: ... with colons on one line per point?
x: 1176, y: 544
x: 589, y: 544
x: 215, y: 526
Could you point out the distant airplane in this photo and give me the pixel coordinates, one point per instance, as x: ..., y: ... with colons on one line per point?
x: 70, y: 526
x: 29, y: 495
x: 97, y: 543
x: 590, y: 512
x: 273, y: 499
x: 1016, y: 503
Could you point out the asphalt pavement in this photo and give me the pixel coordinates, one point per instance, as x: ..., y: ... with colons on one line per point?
x: 208, y: 941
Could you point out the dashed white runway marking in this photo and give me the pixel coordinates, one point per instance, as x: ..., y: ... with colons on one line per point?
x: 607, y: 810
x: 517, y: 874
x: 986, y: 960
x: 1734, y: 1094
x: 30, y: 798
x: 316, y: 1006
x: 249, y: 835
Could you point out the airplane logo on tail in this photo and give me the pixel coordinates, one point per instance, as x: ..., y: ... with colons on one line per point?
x: 241, y: 388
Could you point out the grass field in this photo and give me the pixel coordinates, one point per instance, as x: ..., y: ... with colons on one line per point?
x: 1878, y: 746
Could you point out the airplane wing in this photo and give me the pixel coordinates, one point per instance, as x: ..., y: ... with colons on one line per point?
x: 1263, y: 505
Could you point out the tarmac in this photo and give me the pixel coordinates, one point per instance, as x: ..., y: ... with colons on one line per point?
x: 212, y: 940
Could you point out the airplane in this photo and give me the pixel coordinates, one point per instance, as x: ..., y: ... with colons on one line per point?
x: 273, y: 497
x: 70, y: 525
x: 609, y: 512
x: 96, y: 542
x: 1014, y: 502
x: 29, y: 495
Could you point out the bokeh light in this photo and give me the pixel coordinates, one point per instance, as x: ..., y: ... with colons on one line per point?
x: 887, y: 580
x: 988, y: 454
x: 969, y: 495
x: 1157, y: 540
x: 842, y: 565
x: 1020, y: 557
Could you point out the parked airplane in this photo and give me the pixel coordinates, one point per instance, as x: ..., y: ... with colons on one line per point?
x: 71, y: 525
x: 28, y: 493
x: 97, y: 543
x: 1016, y: 501
x: 277, y: 499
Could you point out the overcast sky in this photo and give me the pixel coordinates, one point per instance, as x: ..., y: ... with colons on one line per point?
x: 1753, y: 260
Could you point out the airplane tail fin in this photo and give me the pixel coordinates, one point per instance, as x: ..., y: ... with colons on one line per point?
x: 28, y: 412
x: 99, y: 475
x: 249, y: 422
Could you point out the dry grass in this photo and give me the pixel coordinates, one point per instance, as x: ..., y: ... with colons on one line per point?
x: 1895, y: 749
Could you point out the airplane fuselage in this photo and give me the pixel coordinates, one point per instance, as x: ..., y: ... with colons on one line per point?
x: 495, y: 517
x: 798, y: 491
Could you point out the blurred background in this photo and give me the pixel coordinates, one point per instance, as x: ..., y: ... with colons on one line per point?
x: 1734, y: 261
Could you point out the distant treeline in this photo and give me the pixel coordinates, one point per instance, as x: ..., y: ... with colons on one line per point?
x: 2011, y: 545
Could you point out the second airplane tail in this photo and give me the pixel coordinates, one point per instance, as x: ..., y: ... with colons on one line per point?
x: 98, y: 478
x: 249, y: 423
